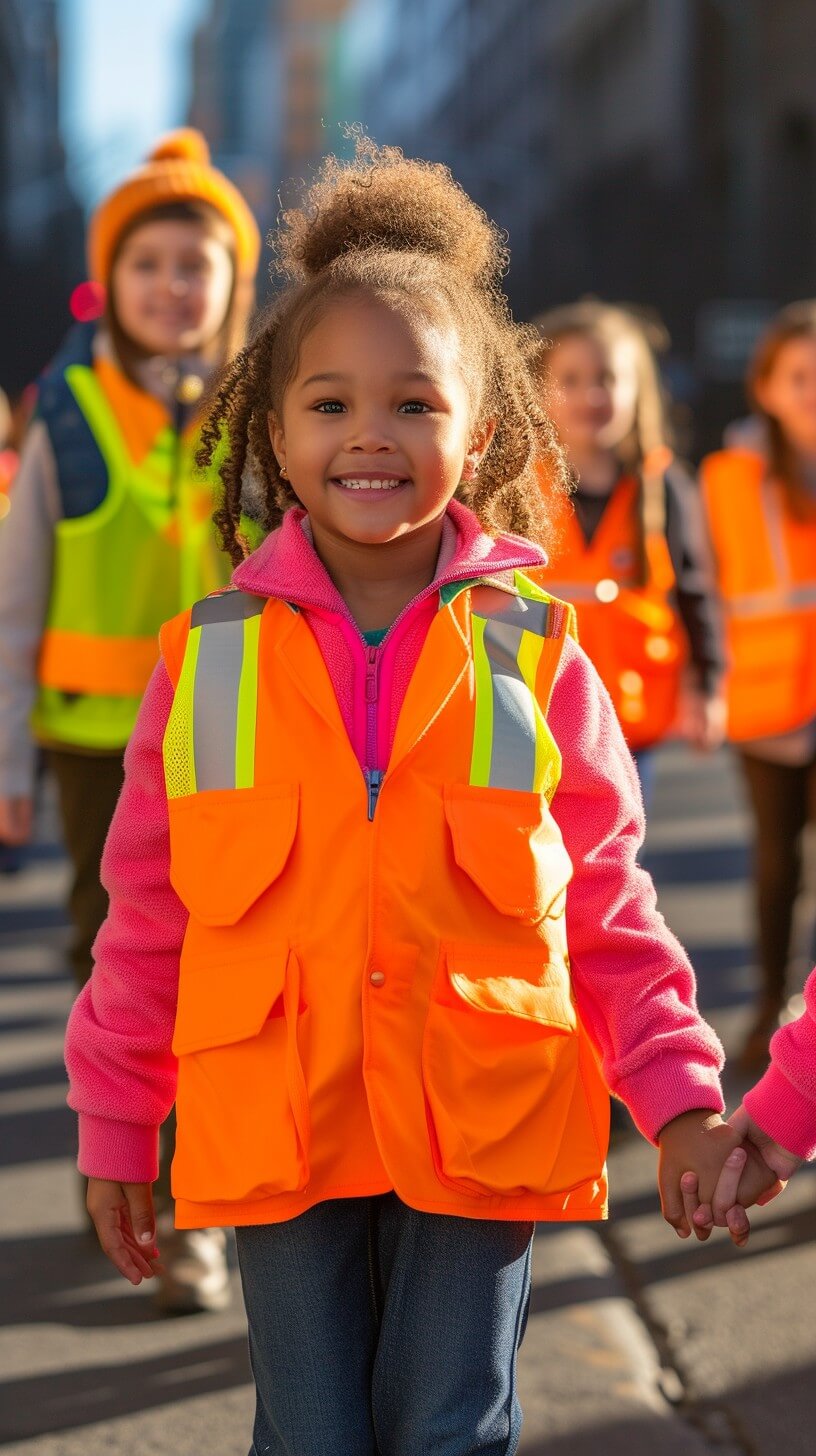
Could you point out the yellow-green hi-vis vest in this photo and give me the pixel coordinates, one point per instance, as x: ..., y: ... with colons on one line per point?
x: 147, y: 551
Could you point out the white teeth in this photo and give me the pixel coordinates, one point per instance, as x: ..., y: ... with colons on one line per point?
x: 351, y: 484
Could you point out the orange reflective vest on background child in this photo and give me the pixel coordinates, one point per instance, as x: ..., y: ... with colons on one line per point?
x: 626, y: 610
x: 766, y: 566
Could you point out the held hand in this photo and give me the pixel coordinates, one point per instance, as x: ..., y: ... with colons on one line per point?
x: 778, y: 1159
x: 125, y: 1225
x: 760, y: 1178
x: 698, y: 1142
x: 706, y: 720
x: 16, y: 817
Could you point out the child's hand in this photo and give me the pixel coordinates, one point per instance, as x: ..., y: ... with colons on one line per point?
x: 769, y: 1166
x: 705, y: 719
x: 125, y: 1225
x: 698, y: 1142
x: 16, y: 817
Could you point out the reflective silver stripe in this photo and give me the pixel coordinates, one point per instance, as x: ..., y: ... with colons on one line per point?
x: 494, y: 604
x: 760, y: 604
x: 217, y: 679
x: 513, y: 752
x: 228, y: 606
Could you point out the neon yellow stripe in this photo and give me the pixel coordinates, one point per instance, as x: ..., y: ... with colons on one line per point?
x: 247, y: 706
x: 530, y: 589
x: 528, y: 658
x: 178, y: 747
x: 483, y: 721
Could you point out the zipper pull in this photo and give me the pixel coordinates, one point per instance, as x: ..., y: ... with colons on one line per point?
x: 372, y: 671
x: 374, y: 778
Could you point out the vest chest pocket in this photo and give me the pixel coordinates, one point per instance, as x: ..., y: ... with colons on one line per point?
x: 508, y: 844
x: 242, y: 1105
x: 227, y: 846
x: 505, y: 1101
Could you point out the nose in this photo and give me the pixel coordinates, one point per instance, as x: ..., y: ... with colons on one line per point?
x: 178, y: 285
x: 369, y: 435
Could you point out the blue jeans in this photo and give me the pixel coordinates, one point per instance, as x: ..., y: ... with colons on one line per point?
x: 375, y: 1330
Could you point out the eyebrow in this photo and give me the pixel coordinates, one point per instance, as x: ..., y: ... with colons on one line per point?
x: 408, y: 374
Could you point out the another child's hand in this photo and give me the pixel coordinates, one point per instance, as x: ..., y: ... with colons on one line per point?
x: 705, y: 719
x: 125, y: 1225
x: 698, y: 1142
x: 769, y: 1166
x: 16, y: 817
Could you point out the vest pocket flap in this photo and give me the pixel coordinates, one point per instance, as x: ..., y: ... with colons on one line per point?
x: 509, y: 845
x: 513, y: 986
x: 221, y: 1002
x: 228, y: 845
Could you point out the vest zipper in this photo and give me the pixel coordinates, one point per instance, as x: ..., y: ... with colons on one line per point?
x: 373, y: 776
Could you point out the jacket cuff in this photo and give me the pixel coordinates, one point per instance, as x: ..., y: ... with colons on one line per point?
x: 125, y: 1152
x: 666, y: 1087
x: 783, y: 1112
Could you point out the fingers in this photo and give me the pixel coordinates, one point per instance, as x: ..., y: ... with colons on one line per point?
x: 771, y: 1193
x: 140, y: 1208
x: 672, y: 1206
x: 725, y: 1194
x: 689, y: 1188
x: 132, y: 1252
x: 120, y: 1247
x: 740, y: 1121
x: 704, y: 1218
x: 738, y: 1225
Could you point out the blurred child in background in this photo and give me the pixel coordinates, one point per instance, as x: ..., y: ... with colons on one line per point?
x: 761, y: 507
x: 110, y: 531
x: 631, y: 551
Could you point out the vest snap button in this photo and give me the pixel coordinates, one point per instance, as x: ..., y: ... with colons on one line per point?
x: 377, y: 978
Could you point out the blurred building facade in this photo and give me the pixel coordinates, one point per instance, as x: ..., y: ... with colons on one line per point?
x: 661, y: 151
x: 264, y: 76
x: 41, y: 228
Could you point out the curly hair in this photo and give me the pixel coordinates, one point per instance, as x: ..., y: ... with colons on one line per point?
x: 404, y: 233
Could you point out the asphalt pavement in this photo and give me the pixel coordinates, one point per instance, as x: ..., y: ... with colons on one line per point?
x: 637, y: 1344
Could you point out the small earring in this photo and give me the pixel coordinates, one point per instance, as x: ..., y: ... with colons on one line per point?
x: 282, y: 472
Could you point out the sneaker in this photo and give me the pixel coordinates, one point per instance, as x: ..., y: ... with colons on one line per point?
x: 194, y: 1277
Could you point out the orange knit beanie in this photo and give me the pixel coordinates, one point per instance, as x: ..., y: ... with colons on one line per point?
x: 177, y: 170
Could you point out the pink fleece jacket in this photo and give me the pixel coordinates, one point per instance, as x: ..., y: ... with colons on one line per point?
x: 633, y: 983
x: 783, y: 1103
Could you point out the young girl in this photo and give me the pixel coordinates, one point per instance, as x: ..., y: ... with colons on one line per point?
x: 373, y: 791
x: 761, y: 506
x: 109, y: 530
x: 631, y: 553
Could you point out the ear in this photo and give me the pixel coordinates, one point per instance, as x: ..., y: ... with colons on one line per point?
x: 276, y: 438
x: 479, y: 442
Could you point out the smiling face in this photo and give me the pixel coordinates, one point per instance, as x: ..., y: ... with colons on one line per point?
x: 171, y: 286
x: 375, y: 428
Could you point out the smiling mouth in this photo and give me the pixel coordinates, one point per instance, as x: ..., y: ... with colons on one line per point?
x: 382, y: 484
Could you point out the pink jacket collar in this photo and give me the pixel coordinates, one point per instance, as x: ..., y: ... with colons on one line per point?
x: 287, y: 566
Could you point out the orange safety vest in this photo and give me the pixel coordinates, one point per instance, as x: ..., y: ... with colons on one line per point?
x: 630, y: 632
x: 766, y: 570
x: 375, y: 998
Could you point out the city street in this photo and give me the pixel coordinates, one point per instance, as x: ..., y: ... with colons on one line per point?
x: 637, y: 1344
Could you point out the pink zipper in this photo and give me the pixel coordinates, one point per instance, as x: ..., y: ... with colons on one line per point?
x: 373, y: 775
